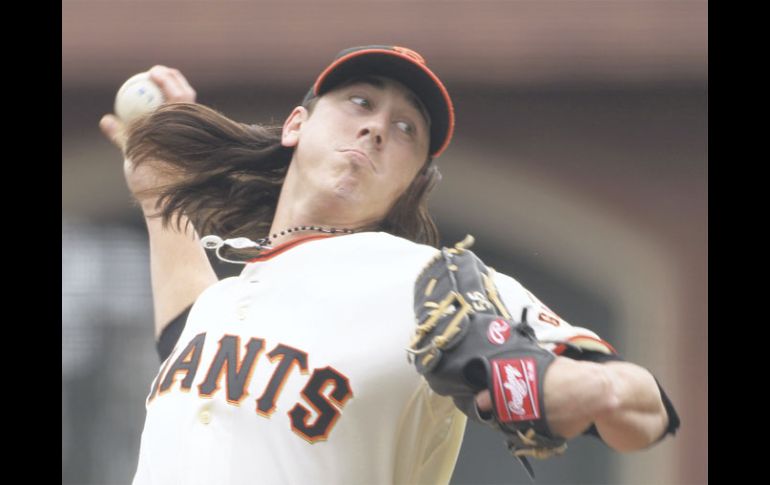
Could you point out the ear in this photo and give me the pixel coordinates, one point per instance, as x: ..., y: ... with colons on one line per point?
x: 292, y: 127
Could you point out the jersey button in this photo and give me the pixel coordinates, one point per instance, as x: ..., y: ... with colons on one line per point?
x: 205, y: 416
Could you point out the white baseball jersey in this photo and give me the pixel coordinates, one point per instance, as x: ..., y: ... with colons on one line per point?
x: 295, y: 371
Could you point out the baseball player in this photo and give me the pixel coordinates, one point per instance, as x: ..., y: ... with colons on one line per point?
x: 294, y: 371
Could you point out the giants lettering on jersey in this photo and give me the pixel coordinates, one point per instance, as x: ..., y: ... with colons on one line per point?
x: 227, y: 364
x: 314, y: 394
x: 515, y: 389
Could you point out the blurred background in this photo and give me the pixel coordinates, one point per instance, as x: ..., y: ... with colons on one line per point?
x: 579, y: 163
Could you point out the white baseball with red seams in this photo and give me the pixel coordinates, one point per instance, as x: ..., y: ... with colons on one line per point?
x: 137, y: 96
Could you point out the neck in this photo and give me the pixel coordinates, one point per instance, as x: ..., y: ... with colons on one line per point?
x: 290, y: 223
x: 295, y: 232
x: 298, y: 208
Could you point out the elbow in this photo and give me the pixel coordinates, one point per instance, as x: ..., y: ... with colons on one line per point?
x: 633, y: 440
x: 629, y: 431
x: 631, y: 421
x: 634, y: 433
x: 629, y: 444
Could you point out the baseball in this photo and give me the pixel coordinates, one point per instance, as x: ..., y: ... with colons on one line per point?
x: 136, y: 97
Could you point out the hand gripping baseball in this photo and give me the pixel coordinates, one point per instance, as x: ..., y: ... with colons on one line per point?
x: 466, y: 341
x: 141, y: 179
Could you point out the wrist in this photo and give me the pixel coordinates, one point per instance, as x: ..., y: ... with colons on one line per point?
x: 577, y: 394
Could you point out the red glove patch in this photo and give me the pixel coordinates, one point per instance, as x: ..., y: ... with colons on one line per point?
x: 515, y: 389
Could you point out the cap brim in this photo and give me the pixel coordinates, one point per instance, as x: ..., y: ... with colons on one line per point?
x: 417, y: 77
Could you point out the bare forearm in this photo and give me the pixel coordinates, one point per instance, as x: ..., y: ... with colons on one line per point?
x: 638, y: 416
x: 576, y: 392
x: 620, y: 398
x: 179, y: 268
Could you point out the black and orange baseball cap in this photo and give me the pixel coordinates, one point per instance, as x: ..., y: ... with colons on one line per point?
x: 404, y: 65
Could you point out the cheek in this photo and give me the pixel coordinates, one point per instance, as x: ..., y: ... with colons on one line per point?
x: 313, y: 145
x: 410, y: 167
x: 403, y: 178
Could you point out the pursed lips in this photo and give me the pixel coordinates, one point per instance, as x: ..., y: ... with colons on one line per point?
x: 363, y: 155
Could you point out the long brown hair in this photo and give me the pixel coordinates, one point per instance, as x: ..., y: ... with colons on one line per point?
x: 228, y: 175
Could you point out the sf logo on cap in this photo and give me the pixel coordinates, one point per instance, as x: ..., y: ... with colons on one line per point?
x: 409, y: 52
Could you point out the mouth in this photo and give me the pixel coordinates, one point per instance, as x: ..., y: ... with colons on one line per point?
x: 361, y: 156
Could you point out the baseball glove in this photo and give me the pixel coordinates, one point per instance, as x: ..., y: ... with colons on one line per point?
x: 466, y: 341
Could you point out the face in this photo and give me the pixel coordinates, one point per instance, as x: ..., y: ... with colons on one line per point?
x: 360, y: 148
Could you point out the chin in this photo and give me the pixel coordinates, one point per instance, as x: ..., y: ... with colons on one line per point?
x: 351, y: 195
x: 349, y: 187
x: 353, y: 200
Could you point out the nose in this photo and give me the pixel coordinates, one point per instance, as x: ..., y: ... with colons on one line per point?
x: 373, y: 133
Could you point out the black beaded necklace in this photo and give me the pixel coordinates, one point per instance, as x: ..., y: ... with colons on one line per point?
x: 267, y: 241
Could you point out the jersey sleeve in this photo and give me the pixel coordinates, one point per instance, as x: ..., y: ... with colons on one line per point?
x: 548, y: 326
x: 170, y: 334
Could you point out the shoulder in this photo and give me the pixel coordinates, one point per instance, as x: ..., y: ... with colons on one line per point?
x: 384, y: 240
x: 383, y: 244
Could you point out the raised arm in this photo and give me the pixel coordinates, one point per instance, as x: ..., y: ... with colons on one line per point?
x: 179, y: 267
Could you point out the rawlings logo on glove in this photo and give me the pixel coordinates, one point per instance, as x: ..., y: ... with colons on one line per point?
x: 515, y: 385
x: 499, y: 331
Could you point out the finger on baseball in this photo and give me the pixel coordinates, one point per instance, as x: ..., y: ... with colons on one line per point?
x: 114, y: 130
x: 185, y: 86
x: 167, y: 84
x: 173, y: 88
x: 484, y: 401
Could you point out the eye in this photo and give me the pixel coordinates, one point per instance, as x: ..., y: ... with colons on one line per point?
x: 406, y: 127
x: 361, y: 101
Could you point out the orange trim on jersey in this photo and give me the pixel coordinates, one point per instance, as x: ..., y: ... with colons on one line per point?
x: 250, y: 373
x: 349, y: 394
x: 322, y: 393
x: 537, y: 301
x: 315, y: 439
x: 561, y: 347
x: 549, y: 319
x: 223, y: 370
x: 161, y: 376
x: 279, y: 389
x: 288, y: 245
x: 309, y: 416
x: 188, y: 358
x: 303, y: 370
